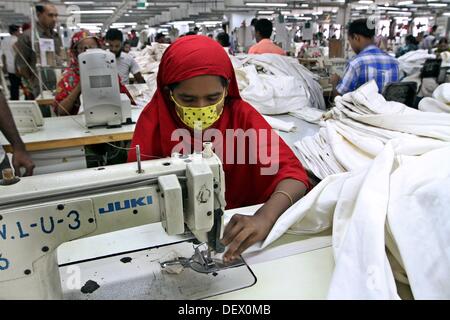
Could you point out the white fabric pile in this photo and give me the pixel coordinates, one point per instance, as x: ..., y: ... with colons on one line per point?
x: 439, y: 102
x: 276, y: 84
x: 386, y: 175
x: 360, y: 125
x: 390, y: 222
x: 412, y: 62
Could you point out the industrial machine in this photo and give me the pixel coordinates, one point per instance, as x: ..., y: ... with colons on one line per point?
x: 27, y: 116
x: 38, y: 214
x: 101, y: 99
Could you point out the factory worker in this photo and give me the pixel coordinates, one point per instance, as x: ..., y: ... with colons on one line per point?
x: 67, y: 99
x: 196, y: 79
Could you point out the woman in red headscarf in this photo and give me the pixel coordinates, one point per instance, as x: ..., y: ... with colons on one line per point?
x: 197, y: 89
x: 68, y: 90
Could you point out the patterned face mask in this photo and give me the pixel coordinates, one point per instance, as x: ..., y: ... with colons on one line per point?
x: 199, y: 118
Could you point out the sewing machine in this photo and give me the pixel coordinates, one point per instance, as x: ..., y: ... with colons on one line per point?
x: 27, y: 116
x: 40, y: 213
x: 101, y: 99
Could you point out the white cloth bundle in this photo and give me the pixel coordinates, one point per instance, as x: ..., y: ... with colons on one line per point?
x: 279, y: 124
x: 276, y: 84
x: 412, y: 62
x: 440, y: 102
x: 396, y: 202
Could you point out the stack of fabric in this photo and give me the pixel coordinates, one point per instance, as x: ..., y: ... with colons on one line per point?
x: 276, y: 84
x: 439, y: 102
x: 412, y: 62
x: 389, y: 212
x: 148, y: 60
x: 360, y: 125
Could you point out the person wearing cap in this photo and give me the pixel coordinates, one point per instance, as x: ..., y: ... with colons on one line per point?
x: 67, y: 99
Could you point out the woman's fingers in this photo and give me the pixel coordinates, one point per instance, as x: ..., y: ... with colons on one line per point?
x: 232, y: 252
x: 232, y: 229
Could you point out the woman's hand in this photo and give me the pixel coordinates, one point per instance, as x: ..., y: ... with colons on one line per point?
x: 242, y: 232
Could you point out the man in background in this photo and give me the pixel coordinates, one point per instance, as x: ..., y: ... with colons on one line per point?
x: 28, y: 53
x: 9, y: 59
x: 263, y: 31
x: 369, y: 63
x: 125, y: 62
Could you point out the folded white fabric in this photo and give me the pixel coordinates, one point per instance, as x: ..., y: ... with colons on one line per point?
x: 279, y: 124
x: 395, y: 201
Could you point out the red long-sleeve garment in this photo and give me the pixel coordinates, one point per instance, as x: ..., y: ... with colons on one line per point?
x: 246, y: 183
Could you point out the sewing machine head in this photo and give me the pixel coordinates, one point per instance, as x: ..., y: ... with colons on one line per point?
x: 101, y: 99
x: 39, y: 213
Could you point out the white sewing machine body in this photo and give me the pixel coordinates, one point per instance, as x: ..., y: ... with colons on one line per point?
x: 37, y: 214
x: 27, y: 116
x: 102, y: 102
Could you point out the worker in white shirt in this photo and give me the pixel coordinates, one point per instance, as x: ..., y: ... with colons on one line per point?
x: 125, y: 62
x: 9, y: 58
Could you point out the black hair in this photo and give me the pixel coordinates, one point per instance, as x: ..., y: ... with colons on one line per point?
x: 172, y: 86
x: 253, y: 22
x: 434, y: 28
x: 114, y: 34
x: 360, y: 27
x: 126, y: 42
x: 264, y: 27
x: 410, y: 39
x: 40, y: 6
x: 224, y: 39
x: 159, y: 36
x: 13, y: 28
x: 443, y: 40
x: 190, y: 33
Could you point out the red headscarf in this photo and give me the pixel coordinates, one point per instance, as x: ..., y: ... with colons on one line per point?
x: 192, y: 56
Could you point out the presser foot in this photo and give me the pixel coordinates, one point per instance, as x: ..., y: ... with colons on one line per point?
x: 202, y: 261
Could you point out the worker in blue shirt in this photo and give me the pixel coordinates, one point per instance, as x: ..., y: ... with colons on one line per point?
x: 370, y: 62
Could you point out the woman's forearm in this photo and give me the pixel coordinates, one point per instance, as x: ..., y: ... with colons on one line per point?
x: 65, y: 107
x: 279, y: 202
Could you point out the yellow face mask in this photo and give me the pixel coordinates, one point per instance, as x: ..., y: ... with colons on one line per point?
x: 199, y: 118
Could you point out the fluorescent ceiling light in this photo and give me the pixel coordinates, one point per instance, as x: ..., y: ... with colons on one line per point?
x: 89, y: 24
x: 79, y: 2
x: 403, y: 3
x: 285, y: 12
x: 181, y: 22
x: 386, y: 4
x: 432, y: 0
x: 92, y: 12
x: 265, y: 12
x: 437, y: 4
x: 365, y: 1
x: 393, y: 8
x: 305, y: 5
x: 361, y: 8
x: 265, y: 4
x: 447, y: 14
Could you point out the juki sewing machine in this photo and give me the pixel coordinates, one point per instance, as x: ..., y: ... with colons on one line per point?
x: 39, y: 213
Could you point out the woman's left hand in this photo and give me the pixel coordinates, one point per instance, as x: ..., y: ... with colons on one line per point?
x: 242, y: 232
